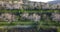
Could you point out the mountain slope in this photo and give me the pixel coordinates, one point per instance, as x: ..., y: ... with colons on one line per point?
x: 54, y: 2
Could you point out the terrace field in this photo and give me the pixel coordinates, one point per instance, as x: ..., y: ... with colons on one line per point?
x: 41, y: 23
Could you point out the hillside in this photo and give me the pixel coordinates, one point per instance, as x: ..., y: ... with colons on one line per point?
x: 54, y: 2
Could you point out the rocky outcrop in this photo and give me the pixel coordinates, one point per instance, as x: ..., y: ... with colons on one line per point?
x: 33, y: 17
x: 28, y: 5
x: 55, y: 16
x: 8, y: 17
x: 11, y: 5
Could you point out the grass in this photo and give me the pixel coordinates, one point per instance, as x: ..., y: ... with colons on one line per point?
x: 49, y: 23
x: 15, y: 23
x: 22, y: 23
x: 4, y: 23
x: 40, y: 11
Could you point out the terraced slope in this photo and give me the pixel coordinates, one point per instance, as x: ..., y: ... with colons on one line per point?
x: 41, y: 23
